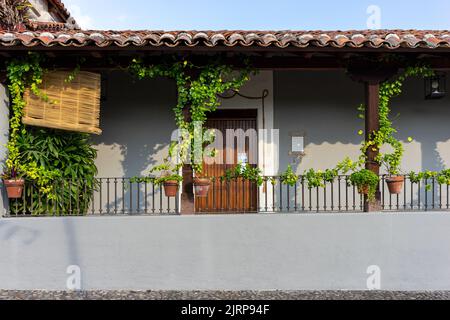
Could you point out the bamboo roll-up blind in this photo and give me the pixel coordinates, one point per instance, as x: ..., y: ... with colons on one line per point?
x: 72, y: 106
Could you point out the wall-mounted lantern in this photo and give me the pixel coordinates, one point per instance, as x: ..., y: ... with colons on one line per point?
x: 435, y: 87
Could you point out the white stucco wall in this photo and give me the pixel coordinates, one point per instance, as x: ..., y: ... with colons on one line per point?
x: 137, y: 121
x: 43, y: 14
x: 323, y: 104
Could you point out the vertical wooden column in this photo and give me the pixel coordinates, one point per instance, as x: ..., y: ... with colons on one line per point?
x: 187, y: 195
x: 372, y: 125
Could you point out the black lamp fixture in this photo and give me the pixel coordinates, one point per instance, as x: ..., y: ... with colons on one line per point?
x: 435, y: 87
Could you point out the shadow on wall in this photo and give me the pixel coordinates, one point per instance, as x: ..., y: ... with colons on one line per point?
x: 427, y: 121
x: 137, y: 122
x: 323, y: 105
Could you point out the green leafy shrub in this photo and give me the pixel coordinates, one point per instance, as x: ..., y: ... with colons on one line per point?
x: 246, y: 172
x: 65, y: 161
x: 289, y: 177
x: 365, y: 180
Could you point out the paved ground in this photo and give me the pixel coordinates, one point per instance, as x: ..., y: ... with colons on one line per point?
x: 222, y: 295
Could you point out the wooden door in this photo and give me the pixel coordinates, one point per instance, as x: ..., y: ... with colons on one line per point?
x: 237, y: 196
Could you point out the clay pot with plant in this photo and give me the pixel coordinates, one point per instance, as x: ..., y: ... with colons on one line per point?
x: 366, y: 181
x: 395, y: 181
x: 201, y: 186
x: 14, y: 184
x: 168, y: 178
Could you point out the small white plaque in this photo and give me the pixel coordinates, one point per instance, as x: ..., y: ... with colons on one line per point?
x: 298, y: 144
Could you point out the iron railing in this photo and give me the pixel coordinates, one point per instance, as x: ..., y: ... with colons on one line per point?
x: 105, y: 196
x: 124, y: 196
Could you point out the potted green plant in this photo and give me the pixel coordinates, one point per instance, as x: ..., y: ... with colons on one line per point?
x: 13, y: 183
x: 366, y: 181
x: 395, y: 181
x: 201, y: 186
x: 169, y: 178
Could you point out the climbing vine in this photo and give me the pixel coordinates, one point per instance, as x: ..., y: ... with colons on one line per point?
x: 43, y: 156
x: 198, y: 89
x: 23, y: 74
x: 386, y: 134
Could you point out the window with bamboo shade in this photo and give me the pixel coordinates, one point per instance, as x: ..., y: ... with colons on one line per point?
x: 72, y: 106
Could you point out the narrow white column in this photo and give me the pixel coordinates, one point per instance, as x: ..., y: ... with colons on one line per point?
x: 4, y: 134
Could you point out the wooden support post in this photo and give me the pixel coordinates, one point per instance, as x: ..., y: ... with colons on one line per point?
x: 372, y: 125
x: 187, y: 195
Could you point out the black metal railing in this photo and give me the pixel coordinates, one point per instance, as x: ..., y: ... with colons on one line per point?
x: 104, y: 196
x: 337, y: 196
x: 124, y: 196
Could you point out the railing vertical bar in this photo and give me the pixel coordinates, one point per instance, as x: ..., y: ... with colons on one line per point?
x: 332, y: 195
x: 138, y: 197
x: 265, y: 195
x: 317, y: 200
x: 153, y: 197
x: 288, y: 198
x: 78, y: 196
x: 32, y: 198
x: 325, y: 196
x: 404, y: 194
x: 281, y: 196
x: 101, y: 197
x: 273, y: 194
x: 339, y: 193
x: 354, y: 198
x: 161, y: 199
x: 346, y: 194
x: 131, y: 198
x: 108, y: 184
x: 115, y: 195
x: 419, y: 204
x: 243, y: 196
x: 433, y: 185
x: 426, y: 194
x: 146, y: 197
x: 123, y: 195
x: 303, y: 193
x: 295, y: 196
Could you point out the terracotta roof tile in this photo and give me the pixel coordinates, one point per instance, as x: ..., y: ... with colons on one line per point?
x: 56, y: 34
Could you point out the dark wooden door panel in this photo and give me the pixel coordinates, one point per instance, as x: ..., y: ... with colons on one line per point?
x: 233, y: 196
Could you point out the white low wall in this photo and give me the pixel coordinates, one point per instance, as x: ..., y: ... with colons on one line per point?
x: 236, y: 252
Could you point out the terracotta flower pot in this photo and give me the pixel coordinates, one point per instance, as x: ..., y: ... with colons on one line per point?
x: 171, y: 188
x: 14, y: 188
x: 363, y: 189
x: 201, y: 187
x: 395, y: 184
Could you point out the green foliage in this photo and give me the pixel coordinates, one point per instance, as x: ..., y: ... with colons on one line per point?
x: 198, y: 90
x: 246, y: 172
x: 319, y: 178
x: 442, y: 177
x: 289, y: 177
x: 386, y: 134
x: 166, y: 173
x: 60, y: 165
x: 365, y: 179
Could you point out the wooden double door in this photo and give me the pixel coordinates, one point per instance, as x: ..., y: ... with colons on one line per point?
x: 235, y: 196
